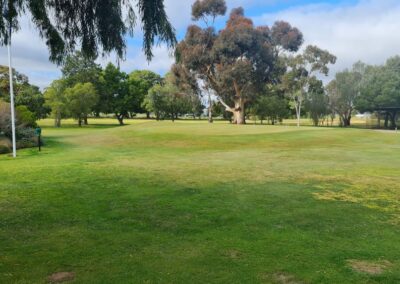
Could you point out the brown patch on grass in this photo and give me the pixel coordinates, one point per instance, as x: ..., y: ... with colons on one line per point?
x: 59, y: 277
x: 233, y: 254
x: 369, y: 267
x: 279, y: 278
x: 284, y: 278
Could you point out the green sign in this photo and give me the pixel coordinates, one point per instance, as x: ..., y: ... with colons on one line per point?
x: 38, y: 131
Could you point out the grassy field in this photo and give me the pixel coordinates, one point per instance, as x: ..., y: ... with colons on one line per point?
x: 189, y: 202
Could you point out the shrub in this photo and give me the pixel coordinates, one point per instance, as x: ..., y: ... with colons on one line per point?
x: 25, y: 117
x: 24, y: 127
x: 5, y: 145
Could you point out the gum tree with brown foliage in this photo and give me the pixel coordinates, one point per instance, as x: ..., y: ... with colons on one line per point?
x: 237, y: 62
x: 207, y: 10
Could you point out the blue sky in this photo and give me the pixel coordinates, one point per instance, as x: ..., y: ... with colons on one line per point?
x: 352, y: 30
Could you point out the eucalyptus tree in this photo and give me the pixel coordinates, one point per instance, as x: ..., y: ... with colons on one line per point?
x: 303, y: 69
x: 344, y: 90
x: 93, y: 26
x: 317, y: 102
x: 236, y: 62
x: 208, y: 10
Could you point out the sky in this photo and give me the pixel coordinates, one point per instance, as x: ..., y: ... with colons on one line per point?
x: 353, y: 30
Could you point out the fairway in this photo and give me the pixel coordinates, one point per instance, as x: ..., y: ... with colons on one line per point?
x: 192, y: 202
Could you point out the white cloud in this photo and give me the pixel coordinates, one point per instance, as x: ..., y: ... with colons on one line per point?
x: 366, y: 31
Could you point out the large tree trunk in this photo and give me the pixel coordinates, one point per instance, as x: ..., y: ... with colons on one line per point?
x: 148, y: 115
x: 85, y: 120
x: 80, y: 121
x: 238, y: 112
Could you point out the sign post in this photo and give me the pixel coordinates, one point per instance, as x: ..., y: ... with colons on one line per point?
x: 38, y: 133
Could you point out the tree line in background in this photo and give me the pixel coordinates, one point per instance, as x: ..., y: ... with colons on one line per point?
x: 239, y: 72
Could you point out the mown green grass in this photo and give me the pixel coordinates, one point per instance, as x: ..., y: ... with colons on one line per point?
x: 189, y: 202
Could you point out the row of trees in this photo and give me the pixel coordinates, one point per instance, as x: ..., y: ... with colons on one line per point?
x: 367, y: 88
x: 87, y: 89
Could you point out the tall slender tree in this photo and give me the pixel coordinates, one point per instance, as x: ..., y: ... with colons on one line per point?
x: 302, y: 72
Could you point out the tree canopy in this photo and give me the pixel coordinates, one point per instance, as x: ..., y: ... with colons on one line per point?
x: 93, y: 26
x: 239, y: 60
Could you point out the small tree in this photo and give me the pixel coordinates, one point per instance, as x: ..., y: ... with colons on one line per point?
x: 302, y: 71
x: 115, y: 88
x: 140, y: 82
x: 154, y: 101
x: 56, y: 101
x: 31, y: 97
x: 80, y: 100
x: 208, y: 10
x: 272, y: 108
x: 317, y: 102
x: 343, y: 92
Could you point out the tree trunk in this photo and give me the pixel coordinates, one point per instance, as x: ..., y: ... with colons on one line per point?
x: 57, y: 120
x: 120, y: 118
x: 386, y: 120
x: 148, y: 115
x: 85, y: 120
x: 238, y: 112
x: 379, y: 119
x: 80, y: 121
x: 393, y: 120
x: 298, y: 112
x: 210, y: 118
x: 346, y: 121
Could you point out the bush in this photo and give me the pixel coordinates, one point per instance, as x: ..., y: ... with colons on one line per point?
x: 24, y: 127
x: 5, y: 145
x: 25, y: 117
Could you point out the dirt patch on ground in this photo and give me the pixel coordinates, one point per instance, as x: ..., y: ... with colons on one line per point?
x: 59, y: 277
x: 369, y: 267
x: 284, y: 278
x: 234, y: 254
x: 279, y: 278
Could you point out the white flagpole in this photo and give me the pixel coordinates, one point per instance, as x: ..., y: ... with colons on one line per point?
x: 14, y: 146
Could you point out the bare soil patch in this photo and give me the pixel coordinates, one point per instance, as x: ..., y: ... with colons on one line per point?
x: 279, y: 278
x: 369, y: 267
x: 59, y: 277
